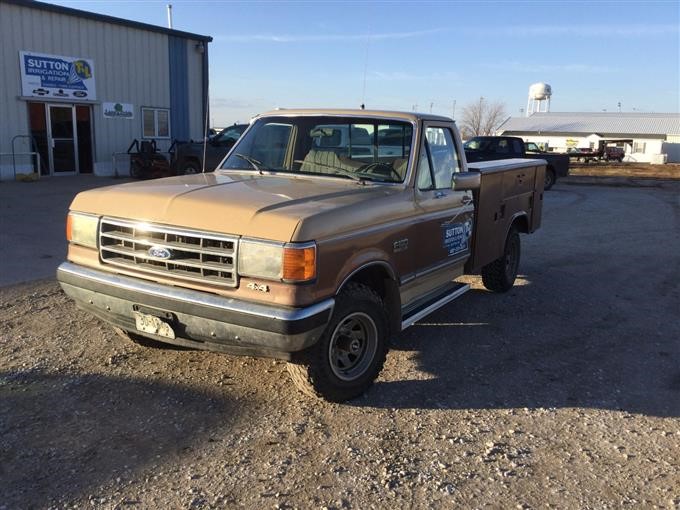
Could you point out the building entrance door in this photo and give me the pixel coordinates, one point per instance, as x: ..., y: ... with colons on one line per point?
x: 62, y: 142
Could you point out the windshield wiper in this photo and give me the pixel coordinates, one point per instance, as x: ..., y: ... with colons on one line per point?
x: 253, y: 162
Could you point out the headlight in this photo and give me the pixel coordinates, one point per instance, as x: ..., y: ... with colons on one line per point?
x: 82, y: 229
x: 292, y: 262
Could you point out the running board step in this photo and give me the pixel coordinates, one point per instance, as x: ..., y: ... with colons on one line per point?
x: 433, y: 304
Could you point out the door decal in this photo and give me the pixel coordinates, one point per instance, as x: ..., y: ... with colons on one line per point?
x: 456, y: 237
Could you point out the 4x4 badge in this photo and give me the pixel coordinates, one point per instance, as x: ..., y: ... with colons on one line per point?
x: 257, y: 286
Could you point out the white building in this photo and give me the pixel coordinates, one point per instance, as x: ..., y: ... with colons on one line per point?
x: 77, y: 87
x: 646, y: 137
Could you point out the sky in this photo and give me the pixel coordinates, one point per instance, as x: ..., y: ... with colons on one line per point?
x: 430, y: 56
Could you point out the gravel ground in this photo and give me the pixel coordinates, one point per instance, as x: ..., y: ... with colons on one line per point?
x: 563, y: 393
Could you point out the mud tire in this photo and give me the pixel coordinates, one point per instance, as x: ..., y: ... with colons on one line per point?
x: 333, y: 372
x: 550, y: 179
x: 499, y: 275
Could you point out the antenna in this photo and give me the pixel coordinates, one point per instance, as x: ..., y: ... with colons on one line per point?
x: 363, y: 92
x: 205, y: 130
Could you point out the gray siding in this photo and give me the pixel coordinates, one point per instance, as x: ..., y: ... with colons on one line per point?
x: 131, y: 65
x: 179, y: 87
x: 195, y: 71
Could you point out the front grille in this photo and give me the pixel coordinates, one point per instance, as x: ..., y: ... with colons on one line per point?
x: 194, y: 256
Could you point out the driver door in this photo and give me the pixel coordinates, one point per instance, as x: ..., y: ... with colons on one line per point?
x: 445, y: 227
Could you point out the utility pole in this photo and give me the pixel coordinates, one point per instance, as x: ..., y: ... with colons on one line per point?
x: 431, y: 105
x: 453, y: 111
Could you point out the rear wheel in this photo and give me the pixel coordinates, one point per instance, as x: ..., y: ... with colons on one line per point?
x: 351, y: 352
x: 550, y: 178
x: 499, y: 275
x: 135, y: 170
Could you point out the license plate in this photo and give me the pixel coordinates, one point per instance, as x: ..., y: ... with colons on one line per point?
x: 151, y: 324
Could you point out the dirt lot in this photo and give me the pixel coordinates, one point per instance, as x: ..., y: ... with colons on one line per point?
x: 563, y: 393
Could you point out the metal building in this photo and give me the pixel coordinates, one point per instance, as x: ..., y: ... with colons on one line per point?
x: 645, y: 137
x: 77, y: 87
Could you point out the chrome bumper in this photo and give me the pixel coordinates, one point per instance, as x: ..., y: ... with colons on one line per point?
x: 200, y: 320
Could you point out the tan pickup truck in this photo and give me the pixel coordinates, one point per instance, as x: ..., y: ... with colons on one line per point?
x: 322, y: 235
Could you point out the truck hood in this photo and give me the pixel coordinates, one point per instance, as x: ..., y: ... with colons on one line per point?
x: 278, y: 207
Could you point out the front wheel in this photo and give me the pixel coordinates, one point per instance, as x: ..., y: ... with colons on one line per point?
x: 499, y: 275
x: 351, y: 352
x: 190, y: 168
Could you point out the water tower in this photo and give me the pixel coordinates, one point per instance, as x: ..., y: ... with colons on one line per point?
x: 539, y: 94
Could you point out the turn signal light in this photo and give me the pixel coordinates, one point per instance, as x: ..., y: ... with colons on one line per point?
x: 69, y: 227
x: 299, y: 264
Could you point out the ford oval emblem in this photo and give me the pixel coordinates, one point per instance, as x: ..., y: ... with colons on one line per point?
x: 158, y: 252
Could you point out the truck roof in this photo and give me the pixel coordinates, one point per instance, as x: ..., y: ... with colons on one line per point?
x: 407, y: 116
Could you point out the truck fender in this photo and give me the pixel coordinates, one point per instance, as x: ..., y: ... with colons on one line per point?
x: 380, y: 275
x: 378, y: 263
x: 519, y: 220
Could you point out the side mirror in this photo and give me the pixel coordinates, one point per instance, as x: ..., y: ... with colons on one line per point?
x: 462, y: 181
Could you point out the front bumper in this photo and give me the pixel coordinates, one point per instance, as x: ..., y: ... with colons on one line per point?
x: 199, y: 320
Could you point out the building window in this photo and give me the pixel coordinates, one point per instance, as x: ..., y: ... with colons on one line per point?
x: 155, y: 123
x: 639, y: 147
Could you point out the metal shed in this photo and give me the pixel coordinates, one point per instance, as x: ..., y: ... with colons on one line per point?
x: 77, y: 87
x: 646, y: 137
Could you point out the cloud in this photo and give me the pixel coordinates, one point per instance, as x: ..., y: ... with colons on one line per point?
x: 559, y: 68
x: 287, y: 38
x: 597, y: 31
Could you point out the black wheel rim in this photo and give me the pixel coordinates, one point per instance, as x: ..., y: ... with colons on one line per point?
x: 353, y: 346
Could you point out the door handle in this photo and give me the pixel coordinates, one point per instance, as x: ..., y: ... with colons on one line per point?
x: 466, y: 200
x: 439, y: 194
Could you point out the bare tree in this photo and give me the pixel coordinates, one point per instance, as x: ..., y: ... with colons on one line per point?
x: 481, y: 118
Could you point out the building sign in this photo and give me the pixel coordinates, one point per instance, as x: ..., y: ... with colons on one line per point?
x: 118, y: 110
x: 54, y: 76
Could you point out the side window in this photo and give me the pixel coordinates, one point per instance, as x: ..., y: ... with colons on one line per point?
x: 443, y: 156
x: 517, y: 147
x: 424, y: 171
x: 155, y: 123
x: 503, y: 147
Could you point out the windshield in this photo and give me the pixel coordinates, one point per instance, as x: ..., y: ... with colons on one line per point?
x: 359, y: 149
x: 230, y: 134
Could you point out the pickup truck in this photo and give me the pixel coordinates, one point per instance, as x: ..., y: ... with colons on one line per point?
x: 603, y: 153
x: 188, y: 156
x: 488, y: 148
x: 304, y: 245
